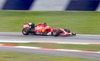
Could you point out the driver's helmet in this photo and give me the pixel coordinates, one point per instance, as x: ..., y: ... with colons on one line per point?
x: 31, y: 24
x: 47, y: 27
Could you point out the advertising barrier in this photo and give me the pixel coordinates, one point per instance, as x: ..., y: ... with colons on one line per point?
x: 51, y: 5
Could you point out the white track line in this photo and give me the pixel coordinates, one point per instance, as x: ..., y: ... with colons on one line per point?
x: 49, y: 42
x: 51, y: 49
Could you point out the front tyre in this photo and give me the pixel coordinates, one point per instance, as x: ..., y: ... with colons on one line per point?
x: 67, y: 30
x: 73, y: 34
x: 25, y: 31
x: 56, y: 33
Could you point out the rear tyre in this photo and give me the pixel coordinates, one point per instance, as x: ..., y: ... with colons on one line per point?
x: 44, y: 34
x: 67, y: 30
x: 56, y: 33
x: 26, y: 31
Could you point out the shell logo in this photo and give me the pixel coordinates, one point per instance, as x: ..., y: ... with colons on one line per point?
x: 42, y: 30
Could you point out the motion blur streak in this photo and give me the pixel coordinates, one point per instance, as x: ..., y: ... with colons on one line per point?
x: 2, y: 2
x: 58, y: 5
x: 17, y: 4
x: 51, y: 5
x: 86, y: 5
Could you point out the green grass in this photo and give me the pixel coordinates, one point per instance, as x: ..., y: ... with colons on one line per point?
x: 79, y: 22
x: 60, y: 46
x: 11, y: 56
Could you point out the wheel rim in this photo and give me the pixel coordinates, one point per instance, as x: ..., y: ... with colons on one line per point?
x: 54, y: 33
x: 24, y: 32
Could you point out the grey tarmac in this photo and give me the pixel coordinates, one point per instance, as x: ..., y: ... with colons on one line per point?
x: 17, y: 36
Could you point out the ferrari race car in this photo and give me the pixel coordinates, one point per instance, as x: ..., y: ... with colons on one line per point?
x: 43, y: 29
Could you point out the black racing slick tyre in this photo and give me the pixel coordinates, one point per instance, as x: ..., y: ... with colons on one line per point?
x: 25, y: 31
x: 73, y: 34
x: 56, y: 33
x: 67, y: 30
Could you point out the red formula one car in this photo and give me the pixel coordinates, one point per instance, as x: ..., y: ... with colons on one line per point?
x: 43, y: 29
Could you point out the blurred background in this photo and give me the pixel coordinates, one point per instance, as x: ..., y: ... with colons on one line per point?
x: 51, y: 5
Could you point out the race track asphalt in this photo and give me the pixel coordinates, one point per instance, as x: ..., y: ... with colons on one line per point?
x: 17, y: 36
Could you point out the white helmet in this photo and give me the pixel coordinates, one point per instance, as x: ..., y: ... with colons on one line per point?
x: 30, y: 23
x: 47, y: 27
